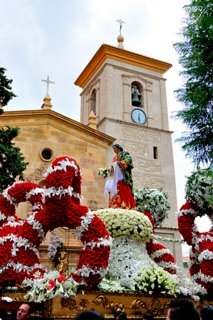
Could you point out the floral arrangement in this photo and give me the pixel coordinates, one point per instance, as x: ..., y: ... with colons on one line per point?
x: 132, y: 261
x: 19, y: 253
x: 201, y: 254
x: 199, y: 202
x: 20, y: 239
x: 188, y: 287
x: 48, y: 286
x: 138, y: 262
x: 199, y: 191
x: 127, y: 257
x: 128, y: 223
x: 153, y: 201
x: 133, y: 248
x: 104, y: 172
x: 112, y: 285
x: 155, y: 281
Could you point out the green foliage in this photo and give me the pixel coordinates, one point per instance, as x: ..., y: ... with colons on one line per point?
x: 12, y: 162
x: 199, y: 191
x: 153, y: 201
x: 196, y: 58
x: 5, y: 90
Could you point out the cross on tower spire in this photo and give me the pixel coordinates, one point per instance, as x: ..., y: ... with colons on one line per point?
x: 121, y: 22
x: 48, y: 83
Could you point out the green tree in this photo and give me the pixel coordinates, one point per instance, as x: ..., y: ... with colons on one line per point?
x: 196, y: 59
x: 6, y: 93
x: 12, y: 162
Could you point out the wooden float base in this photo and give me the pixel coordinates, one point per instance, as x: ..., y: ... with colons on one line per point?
x: 135, y: 305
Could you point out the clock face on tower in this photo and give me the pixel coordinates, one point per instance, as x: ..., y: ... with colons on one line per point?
x: 138, y: 116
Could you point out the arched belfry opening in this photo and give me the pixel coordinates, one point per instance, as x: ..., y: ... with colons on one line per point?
x: 93, y: 101
x: 136, y: 94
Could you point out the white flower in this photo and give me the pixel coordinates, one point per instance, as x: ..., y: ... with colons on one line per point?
x: 110, y: 285
x: 49, y: 286
x: 128, y: 223
x: 188, y: 287
x: 104, y: 172
x: 153, y: 201
x: 155, y: 280
x: 127, y: 257
x: 62, y: 165
x: 55, y: 245
x: 85, y: 222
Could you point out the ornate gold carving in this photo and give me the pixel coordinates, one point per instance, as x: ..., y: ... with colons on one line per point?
x: 138, y: 303
x: 107, y: 304
x: 72, y: 304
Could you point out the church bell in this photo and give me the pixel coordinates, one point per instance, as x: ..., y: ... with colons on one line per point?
x: 136, y: 99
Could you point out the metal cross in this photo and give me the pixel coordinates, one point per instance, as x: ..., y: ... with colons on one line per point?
x: 120, y: 23
x: 48, y: 83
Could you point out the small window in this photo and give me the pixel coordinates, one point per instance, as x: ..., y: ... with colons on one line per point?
x: 93, y: 101
x: 155, y: 152
x: 46, y: 154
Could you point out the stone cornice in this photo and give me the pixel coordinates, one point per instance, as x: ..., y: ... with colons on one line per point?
x: 46, y: 116
x: 109, y: 52
x: 132, y: 124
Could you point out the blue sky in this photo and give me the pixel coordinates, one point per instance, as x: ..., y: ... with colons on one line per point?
x: 59, y: 37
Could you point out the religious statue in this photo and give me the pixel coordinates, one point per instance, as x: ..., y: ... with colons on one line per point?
x: 62, y: 262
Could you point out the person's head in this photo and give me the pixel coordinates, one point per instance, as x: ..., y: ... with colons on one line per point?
x: 120, y: 316
x: 182, y: 309
x: 206, y: 312
x: 23, y: 312
x: 117, y: 148
x: 148, y: 316
x: 89, y: 315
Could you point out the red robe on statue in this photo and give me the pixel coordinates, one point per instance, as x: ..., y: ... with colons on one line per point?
x: 119, y: 191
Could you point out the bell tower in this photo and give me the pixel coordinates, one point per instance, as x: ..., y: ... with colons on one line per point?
x: 127, y: 93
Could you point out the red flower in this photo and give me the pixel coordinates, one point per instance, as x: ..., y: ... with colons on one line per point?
x: 186, y: 206
x: 51, y: 284
x: 148, y: 214
x: 186, y: 227
x: 61, y: 278
x: 62, y: 209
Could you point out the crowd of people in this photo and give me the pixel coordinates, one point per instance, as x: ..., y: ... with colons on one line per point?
x: 178, y: 309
